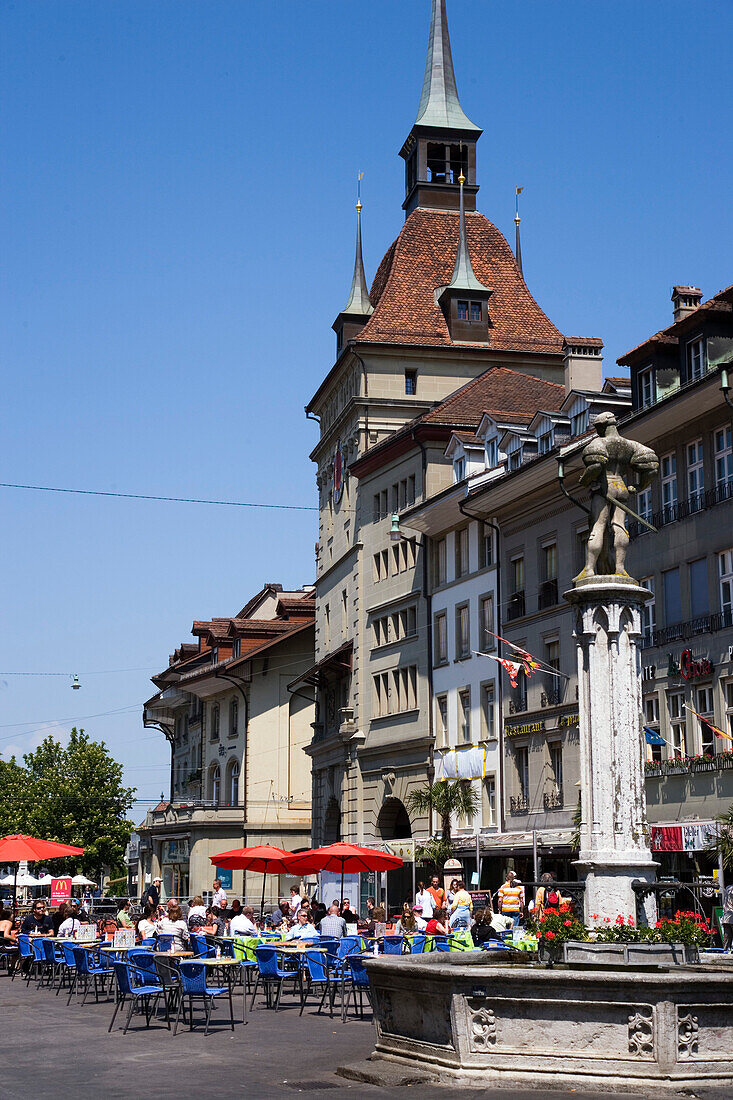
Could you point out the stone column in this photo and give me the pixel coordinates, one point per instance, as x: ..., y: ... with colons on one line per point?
x: 613, y: 846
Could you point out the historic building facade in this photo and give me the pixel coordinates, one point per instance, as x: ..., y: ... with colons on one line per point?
x: 447, y: 304
x: 238, y: 730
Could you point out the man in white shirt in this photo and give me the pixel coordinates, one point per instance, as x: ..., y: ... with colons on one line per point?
x: 219, y: 901
x: 303, y: 929
x: 243, y: 924
x: 295, y: 901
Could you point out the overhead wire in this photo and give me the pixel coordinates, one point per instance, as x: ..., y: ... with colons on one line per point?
x: 151, y: 496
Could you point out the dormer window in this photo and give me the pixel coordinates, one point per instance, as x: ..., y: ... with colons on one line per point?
x: 476, y: 311
x: 214, y: 655
x: 459, y: 468
x: 472, y: 311
x: 646, y: 387
x: 237, y: 648
x: 546, y: 441
x: 515, y: 459
x: 411, y: 382
x: 492, y: 453
x: 695, y: 359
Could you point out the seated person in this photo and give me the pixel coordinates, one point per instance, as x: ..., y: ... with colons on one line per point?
x: 123, y: 917
x: 302, y: 929
x: 333, y: 924
x: 483, y: 929
x: 348, y: 913
x: 501, y: 922
x: 7, y: 929
x: 235, y: 908
x: 38, y: 922
x: 281, y: 913
x: 243, y: 924
x: 174, y: 925
x: 196, y: 914
x: 407, y: 922
x: 378, y: 916
x: 147, y: 926
x: 215, y: 925
x: 420, y: 923
x: 438, y: 924
x: 70, y: 924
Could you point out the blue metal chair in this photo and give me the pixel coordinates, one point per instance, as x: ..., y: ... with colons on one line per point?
x: 393, y: 945
x: 357, y: 983
x: 135, y: 993
x: 193, y: 986
x: 441, y: 943
x: 164, y: 942
x: 200, y: 946
x: 148, y: 942
x: 8, y: 954
x: 53, y: 958
x: 67, y: 949
x: 26, y: 957
x: 40, y: 966
x: 317, y: 976
x: 87, y: 968
x: 348, y: 945
x: 144, y: 963
x: 271, y: 973
x: 417, y: 945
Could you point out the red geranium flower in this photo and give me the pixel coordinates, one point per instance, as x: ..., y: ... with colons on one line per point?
x: 550, y: 935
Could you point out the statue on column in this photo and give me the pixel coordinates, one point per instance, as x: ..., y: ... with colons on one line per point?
x: 615, y: 468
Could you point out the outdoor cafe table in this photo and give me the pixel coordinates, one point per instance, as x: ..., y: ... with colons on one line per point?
x: 227, y: 964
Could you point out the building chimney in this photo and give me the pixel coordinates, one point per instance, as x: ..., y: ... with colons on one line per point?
x: 583, y: 361
x: 685, y: 299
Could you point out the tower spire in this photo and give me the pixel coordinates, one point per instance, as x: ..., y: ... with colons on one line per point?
x: 517, y: 220
x: 358, y: 302
x: 439, y: 103
x: 464, y: 277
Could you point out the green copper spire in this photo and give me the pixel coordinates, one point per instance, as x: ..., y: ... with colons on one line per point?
x: 439, y: 105
x: 464, y: 277
x: 358, y: 302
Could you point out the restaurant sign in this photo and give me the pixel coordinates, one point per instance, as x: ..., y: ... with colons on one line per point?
x: 528, y: 727
x: 689, y: 667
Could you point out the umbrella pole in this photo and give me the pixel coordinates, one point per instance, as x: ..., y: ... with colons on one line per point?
x: 262, y: 902
x: 341, y: 895
x: 15, y: 892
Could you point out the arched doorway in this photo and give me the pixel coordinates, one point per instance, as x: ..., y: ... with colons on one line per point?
x: 393, y: 822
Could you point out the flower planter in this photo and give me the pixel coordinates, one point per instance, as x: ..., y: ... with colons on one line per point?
x: 653, y: 773
x: 704, y: 766
x: 677, y: 771
x: 725, y: 761
x: 629, y: 954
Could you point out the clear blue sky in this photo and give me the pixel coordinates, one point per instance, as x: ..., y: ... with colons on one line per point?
x: 177, y: 237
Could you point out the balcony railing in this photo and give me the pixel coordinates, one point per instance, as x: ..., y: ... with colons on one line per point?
x: 552, y: 697
x: 681, y: 509
x: 548, y: 595
x: 515, y: 610
x: 518, y: 804
x: 683, y: 632
x: 553, y: 800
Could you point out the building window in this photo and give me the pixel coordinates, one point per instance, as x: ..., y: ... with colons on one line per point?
x: 724, y: 460
x: 518, y: 695
x: 699, y: 603
x: 669, y: 487
x: 516, y: 579
x: 725, y: 573
x: 695, y: 359
x: 344, y: 611
x: 410, y: 498
x: 651, y: 719
x: 440, y: 558
x: 464, y: 714
x: 441, y: 638
x: 579, y: 422
x: 327, y: 625
x: 695, y: 475
x: 676, y: 704
x: 441, y: 714
x: 463, y: 633
x: 672, y: 596
x: 515, y: 459
x: 234, y: 783
x: 381, y: 565
x: 648, y: 613
x: 411, y: 382
x: 729, y: 705
x: 492, y: 453
x: 704, y: 706
x: 459, y: 469
x: 396, y: 691
x: 462, y: 308
x: 233, y: 718
x: 488, y: 802
x: 215, y: 783
x: 488, y: 725
x: 214, y: 735
x: 461, y: 538
x: 546, y: 441
x: 486, y: 622
x: 556, y: 766
x: 646, y: 387
x: 548, y: 589
x: 236, y: 647
x: 486, y: 546
x: 521, y: 759
x: 644, y: 504
x: 553, y: 684
x: 476, y: 311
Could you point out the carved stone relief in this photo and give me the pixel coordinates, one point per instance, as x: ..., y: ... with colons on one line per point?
x: 481, y: 1026
x: 641, y: 1032
x: 687, y: 1034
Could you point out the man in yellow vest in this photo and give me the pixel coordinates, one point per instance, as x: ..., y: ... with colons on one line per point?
x: 511, y: 898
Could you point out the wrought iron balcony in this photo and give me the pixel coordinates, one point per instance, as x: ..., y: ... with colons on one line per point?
x: 515, y: 610
x: 548, y: 595
x: 518, y: 804
x: 552, y: 697
x: 681, y: 509
x: 517, y: 706
x: 683, y: 632
x: 553, y: 800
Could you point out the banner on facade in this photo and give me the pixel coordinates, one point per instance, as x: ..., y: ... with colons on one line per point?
x: 405, y: 849
x: 683, y: 838
x: 463, y: 763
x: 60, y: 890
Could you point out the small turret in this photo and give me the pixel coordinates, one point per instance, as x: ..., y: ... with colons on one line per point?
x: 358, y: 308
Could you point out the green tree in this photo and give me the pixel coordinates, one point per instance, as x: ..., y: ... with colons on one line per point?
x: 446, y: 799
x: 723, y: 844
x: 72, y: 794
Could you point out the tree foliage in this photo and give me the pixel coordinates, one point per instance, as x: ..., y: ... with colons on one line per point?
x: 723, y: 844
x: 452, y: 798
x: 72, y: 794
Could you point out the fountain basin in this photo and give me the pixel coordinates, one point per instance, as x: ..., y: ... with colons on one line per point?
x: 493, y: 1019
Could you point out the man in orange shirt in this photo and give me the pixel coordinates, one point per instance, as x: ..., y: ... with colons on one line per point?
x: 438, y: 894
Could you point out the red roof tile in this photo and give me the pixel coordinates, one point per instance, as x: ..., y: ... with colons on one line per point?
x: 422, y: 259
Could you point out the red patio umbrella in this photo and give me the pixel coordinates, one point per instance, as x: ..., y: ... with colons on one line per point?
x: 17, y: 847
x: 265, y: 858
x: 342, y: 857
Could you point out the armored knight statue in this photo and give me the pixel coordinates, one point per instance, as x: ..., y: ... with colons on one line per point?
x: 615, y: 468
